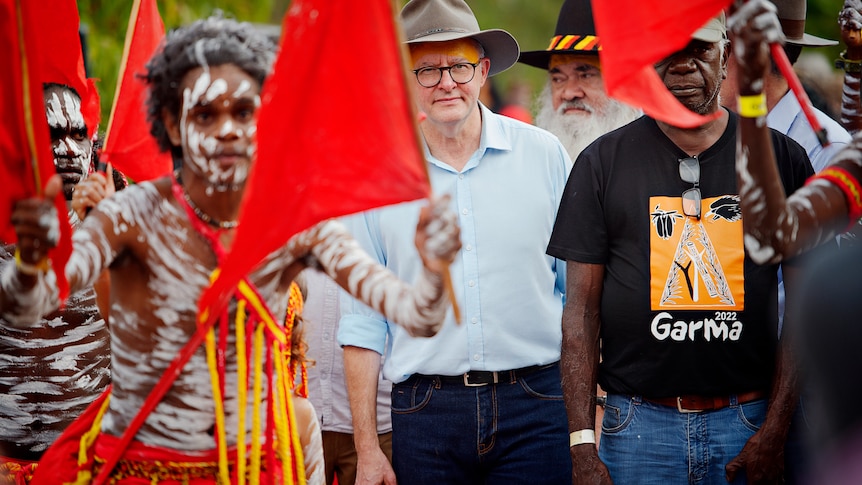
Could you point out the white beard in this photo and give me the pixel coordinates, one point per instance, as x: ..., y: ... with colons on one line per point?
x: 577, y: 131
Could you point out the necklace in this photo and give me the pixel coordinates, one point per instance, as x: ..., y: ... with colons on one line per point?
x: 203, y: 216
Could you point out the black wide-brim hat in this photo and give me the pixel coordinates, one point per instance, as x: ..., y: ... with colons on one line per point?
x: 575, y: 34
x: 445, y: 20
x: 791, y: 14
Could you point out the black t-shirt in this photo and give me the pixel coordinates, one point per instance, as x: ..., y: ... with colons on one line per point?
x: 684, y: 310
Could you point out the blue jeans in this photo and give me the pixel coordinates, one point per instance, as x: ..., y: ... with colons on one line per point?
x: 647, y: 443
x: 507, y: 433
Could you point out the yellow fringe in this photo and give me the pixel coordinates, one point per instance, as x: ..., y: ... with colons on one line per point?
x: 263, y: 313
x: 256, y: 404
x: 87, y: 441
x: 242, y: 390
x: 221, y: 437
x: 289, y: 444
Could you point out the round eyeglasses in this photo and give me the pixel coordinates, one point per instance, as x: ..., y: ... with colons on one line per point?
x: 462, y: 73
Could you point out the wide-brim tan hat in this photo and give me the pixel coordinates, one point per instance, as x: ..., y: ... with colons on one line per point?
x: 443, y: 20
x: 791, y: 14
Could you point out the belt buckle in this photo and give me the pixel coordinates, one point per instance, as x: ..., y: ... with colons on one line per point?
x: 477, y: 384
x: 682, y: 409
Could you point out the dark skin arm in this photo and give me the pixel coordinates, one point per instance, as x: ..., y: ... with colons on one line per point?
x: 762, y: 457
x: 579, y: 364
x: 777, y: 226
x: 850, y: 21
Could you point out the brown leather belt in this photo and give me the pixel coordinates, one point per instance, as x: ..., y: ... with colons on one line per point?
x: 696, y: 404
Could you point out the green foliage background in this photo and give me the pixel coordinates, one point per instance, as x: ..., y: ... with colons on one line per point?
x: 530, y: 21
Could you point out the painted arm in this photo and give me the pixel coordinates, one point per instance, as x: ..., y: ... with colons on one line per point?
x: 362, y: 368
x: 579, y: 363
x: 28, y: 287
x: 777, y: 226
x: 850, y: 21
x: 420, y: 309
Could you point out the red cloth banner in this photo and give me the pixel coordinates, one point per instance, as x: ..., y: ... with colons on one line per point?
x: 333, y: 138
x: 129, y: 147
x: 25, y: 145
x: 58, y: 43
x: 638, y: 33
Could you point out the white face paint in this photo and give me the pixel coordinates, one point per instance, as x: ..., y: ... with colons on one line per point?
x: 70, y: 145
x: 217, y: 124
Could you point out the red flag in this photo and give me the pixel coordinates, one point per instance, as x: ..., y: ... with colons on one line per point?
x: 27, y: 160
x: 128, y: 143
x: 638, y: 33
x: 333, y: 139
x: 58, y: 41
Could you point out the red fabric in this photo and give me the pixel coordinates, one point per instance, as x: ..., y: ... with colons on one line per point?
x: 14, y: 471
x: 330, y: 143
x: 55, y: 25
x: 23, y: 171
x: 129, y: 147
x: 59, y: 464
x: 638, y: 33
x: 155, y: 457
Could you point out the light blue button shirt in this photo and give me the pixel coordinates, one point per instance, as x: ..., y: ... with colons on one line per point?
x: 787, y: 117
x: 327, y: 390
x: 509, y: 291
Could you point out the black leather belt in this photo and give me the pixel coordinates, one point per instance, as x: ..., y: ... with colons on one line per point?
x: 483, y: 377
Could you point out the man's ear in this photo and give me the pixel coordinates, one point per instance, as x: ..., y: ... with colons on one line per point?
x: 725, y: 59
x: 172, y: 127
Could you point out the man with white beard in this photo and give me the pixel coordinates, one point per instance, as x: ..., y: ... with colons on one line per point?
x: 573, y: 104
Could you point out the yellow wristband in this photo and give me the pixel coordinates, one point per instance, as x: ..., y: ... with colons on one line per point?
x: 582, y: 437
x: 752, y: 106
x: 31, y: 269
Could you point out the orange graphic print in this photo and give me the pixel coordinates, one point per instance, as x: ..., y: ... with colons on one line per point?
x: 696, y: 264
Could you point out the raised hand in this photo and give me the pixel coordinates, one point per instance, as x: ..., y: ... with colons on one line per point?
x: 850, y: 21
x: 438, y: 236
x: 754, y: 25
x: 91, y: 190
x: 37, y: 228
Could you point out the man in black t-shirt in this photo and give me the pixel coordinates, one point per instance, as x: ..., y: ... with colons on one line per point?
x: 661, y: 288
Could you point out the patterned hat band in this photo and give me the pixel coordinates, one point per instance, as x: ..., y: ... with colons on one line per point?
x: 582, y: 43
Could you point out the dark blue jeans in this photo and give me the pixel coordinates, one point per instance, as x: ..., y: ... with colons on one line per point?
x: 507, y: 433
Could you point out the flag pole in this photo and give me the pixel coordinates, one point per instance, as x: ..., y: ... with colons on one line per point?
x: 130, y: 34
x: 783, y: 63
x: 28, y: 102
x: 447, y: 275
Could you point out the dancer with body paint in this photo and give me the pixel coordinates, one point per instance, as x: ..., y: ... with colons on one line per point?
x: 163, y: 239
x: 51, y: 371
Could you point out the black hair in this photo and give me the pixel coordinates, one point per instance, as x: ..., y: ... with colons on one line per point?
x: 212, y: 41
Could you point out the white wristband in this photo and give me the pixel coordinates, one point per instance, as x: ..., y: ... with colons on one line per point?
x: 581, y: 437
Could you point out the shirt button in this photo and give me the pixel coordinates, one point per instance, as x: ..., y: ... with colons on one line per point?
x: 476, y: 357
x: 461, y: 176
x: 465, y: 211
x: 468, y: 247
x: 474, y: 320
x: 471, y: 283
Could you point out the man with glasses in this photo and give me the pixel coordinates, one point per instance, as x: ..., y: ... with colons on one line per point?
x: 661, y: 289
x: 481, y: 402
